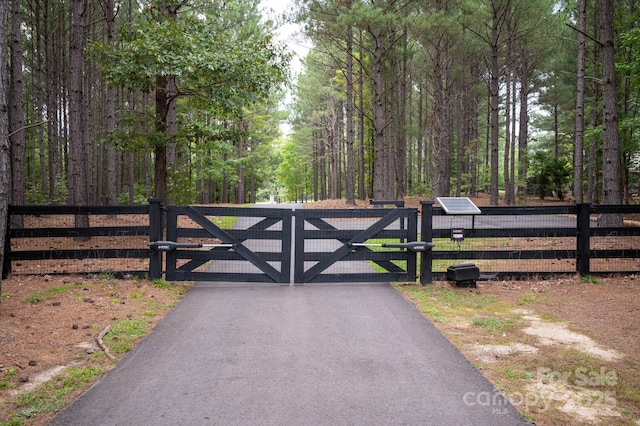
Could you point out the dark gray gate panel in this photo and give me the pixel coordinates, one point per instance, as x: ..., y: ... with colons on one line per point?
x: 260, y: 245
x: 325, y: 251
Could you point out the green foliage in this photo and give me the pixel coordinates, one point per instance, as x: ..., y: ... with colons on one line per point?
x: 295, y: 171
x: 550, y: 175
x: 141, y: 194
x: 36, y: 196
x: 222, y: 63
x: 181, y: 185
x: 630, y: 46
x: 214, y: 65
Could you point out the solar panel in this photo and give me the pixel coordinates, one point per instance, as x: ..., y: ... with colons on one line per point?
x: 458, y: 205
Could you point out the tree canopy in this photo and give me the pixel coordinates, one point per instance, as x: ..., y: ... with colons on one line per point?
x: 183, y: 100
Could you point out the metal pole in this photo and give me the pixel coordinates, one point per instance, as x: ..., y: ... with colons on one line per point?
x: 426, y: 229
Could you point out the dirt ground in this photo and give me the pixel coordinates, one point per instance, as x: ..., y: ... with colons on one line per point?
x: 43, y: 328
x: 592, y: 329
x: 51, y: 322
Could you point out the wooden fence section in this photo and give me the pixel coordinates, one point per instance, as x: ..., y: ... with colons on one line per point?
x: 116, y: 240
x: 519, y: 242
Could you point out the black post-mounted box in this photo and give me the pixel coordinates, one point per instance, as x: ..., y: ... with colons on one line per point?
x: 465, y: 274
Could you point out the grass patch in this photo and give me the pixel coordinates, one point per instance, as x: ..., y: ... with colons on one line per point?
x: 588, y: 279
x: 51, y: 293
x: 50, y: 397
x: 6, y: 381
x: 123, y: 334
x: 528, y: 298
x: 445, y: 304
x: 225, y: 222
x: 516, y: 373
x: 495, y: 324
x: 160, y: 283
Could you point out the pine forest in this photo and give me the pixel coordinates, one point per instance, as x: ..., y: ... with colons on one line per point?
x: 196, y: 101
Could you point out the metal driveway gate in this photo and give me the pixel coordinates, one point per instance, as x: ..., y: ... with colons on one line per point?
x: 255, y: 244
x: 256, y: 248
x: 363, y: 245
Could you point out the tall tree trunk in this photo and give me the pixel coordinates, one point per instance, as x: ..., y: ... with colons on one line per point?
x: 507, y: 130
x: 362, y: 190
x: 410, y: 175
x: 166, y: 112
x: 401, y: 136
x: 512, y: 165
x: 350, y: 178
x: 473, y: 136
x: 240, y: 195
x: 523, y: 130
x: 41, y: 96
x: 338, y: 132
x: 78, y: 167
x: 579, y: 135
x: 315, y: 168
x: 110, y: 106
x: 5, y: 157
x: 421, y: 125
x: 79, y: 164
x: 16, y: 114
x: 611, y: 177
x: 160, y: 146
x: 494, y: 94
x: 52, y: 77
x: 322, y: 164
x: 379, y: 123
x: 440, y: 143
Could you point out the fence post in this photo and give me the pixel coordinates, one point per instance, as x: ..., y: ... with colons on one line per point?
x: 426, y: 229
x: 155, y: 234
x: 6, y: 256
x: 583, y: 239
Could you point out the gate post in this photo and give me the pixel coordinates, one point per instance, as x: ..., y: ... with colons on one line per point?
x: 583, y: 239
x: 426, y: 230
x: 298, y: 249
x: 155, y: 234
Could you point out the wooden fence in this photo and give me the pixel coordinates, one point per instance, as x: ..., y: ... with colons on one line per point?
x: 518, y: 242
x: 514, y: 242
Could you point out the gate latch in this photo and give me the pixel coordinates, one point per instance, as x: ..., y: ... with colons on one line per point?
x: 172, y: 245
x: 417, y: 246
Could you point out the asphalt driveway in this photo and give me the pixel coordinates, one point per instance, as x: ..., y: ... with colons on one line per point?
x: 232, y: 354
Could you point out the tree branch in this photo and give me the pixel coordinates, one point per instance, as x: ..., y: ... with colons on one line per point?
x: 27, y: 127
x: 589, y: 36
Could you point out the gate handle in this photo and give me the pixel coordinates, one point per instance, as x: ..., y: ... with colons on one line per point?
x: 172, y: 245
x: 413, y: 246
